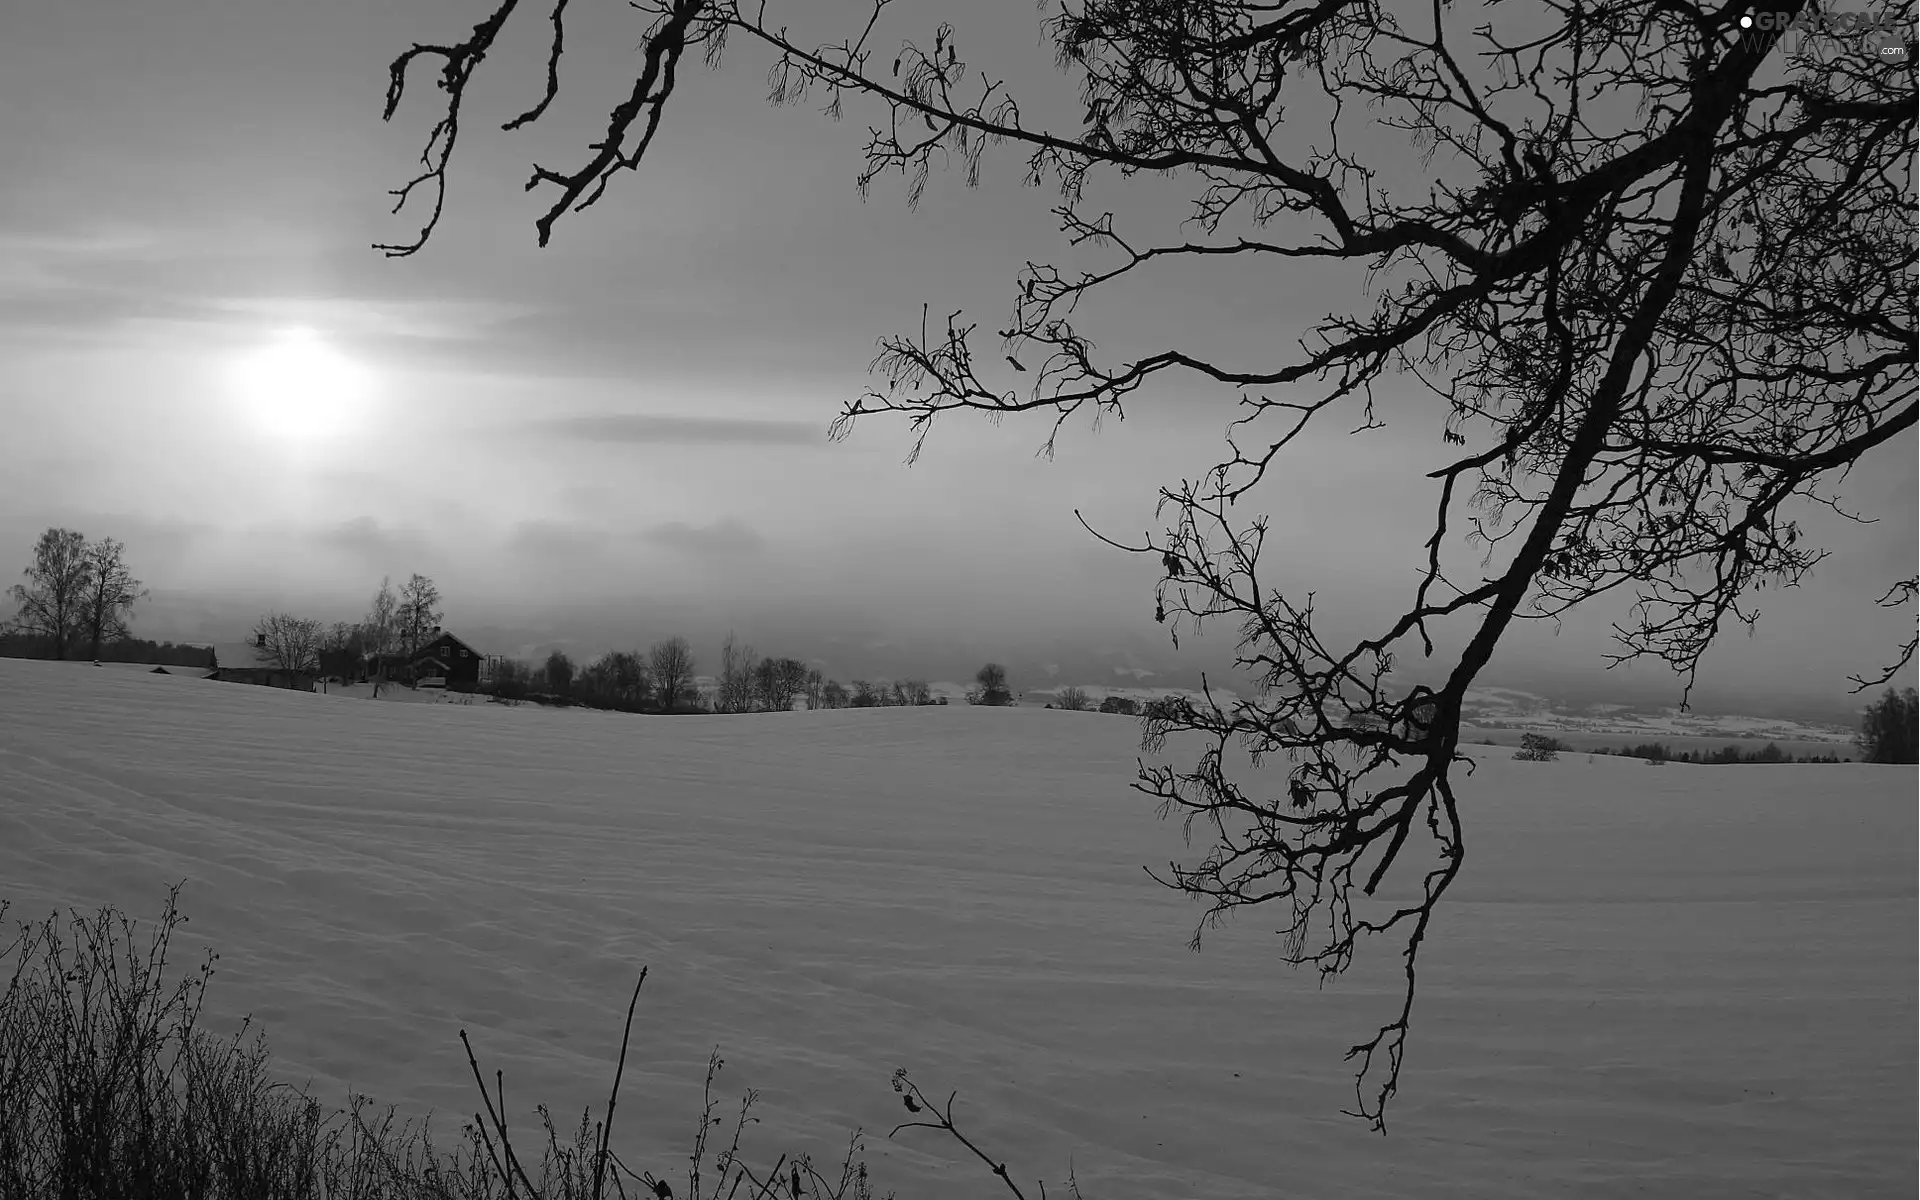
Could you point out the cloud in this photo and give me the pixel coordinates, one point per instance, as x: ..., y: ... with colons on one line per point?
x: 661, y: 429
x: 372, y: 542
x: 556, y: 541
x: 436, y: 320
x: 727, y: 537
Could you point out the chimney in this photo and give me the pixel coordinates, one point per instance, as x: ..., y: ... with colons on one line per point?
x: 436, y: 631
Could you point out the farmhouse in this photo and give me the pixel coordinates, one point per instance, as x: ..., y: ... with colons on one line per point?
x: 443, y: 656
x: 449, y: 658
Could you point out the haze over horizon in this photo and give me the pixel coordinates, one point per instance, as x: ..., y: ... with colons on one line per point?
x: 623, y: 437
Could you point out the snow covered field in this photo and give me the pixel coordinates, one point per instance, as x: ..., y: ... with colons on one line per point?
x: 1685, y: 981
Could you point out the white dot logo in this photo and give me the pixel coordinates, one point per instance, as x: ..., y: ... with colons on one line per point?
x: 1746, y: 22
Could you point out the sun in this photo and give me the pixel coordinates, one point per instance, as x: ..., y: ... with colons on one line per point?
x: 300, y: 387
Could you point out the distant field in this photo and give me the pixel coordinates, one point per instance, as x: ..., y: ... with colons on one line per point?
x: 1693, y: 982
x: 1704, y: 745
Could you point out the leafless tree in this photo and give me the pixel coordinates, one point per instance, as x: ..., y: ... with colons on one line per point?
x: 52, y: 603
x: 342, y: 651
x: 1654, y: 274
x: 418, y: 611
x: 673, y: 671
x: 380, y: 631
x: 778, y: 681
x: 1073, y: 699
x: 865, y: 695
x: 816, y: 686
x: 630, y: 682
x: 833, y: 694
x: 616, y: 679
x: 736, y: 684
x: 288, y: 642
x: 110, y: 594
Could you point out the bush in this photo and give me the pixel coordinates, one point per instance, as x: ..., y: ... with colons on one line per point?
x: 1123, y: 705
x: 108, y: 1088
x: 1074, y: 699
x: 1535, y: 747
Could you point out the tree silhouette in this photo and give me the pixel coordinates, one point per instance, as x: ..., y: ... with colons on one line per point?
x: 1890, y: 728
x: 1656, y: 277
x: 991, y: 686
x: 558, y: 673
x: 672, y: 665
x: 109, y: 596
x: 288, y: 642
x: 52, y: 603
x: 418, y: 611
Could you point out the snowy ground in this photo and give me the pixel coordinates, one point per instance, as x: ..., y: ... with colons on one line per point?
x: 1691, y: 982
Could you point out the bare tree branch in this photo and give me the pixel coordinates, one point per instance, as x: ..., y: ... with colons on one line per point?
x: 1659, y: 279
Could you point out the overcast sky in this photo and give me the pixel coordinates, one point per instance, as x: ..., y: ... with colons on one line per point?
x: 627, y: 429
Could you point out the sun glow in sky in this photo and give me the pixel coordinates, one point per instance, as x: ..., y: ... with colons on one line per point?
x: 299, y: 387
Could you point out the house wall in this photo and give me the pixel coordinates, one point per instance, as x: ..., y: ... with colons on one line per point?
x: 463, y: 664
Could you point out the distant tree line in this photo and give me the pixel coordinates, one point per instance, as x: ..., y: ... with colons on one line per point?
x: 663, y: 680
x: 1538, y: 747
x: 1724, y: 756
x: 659, y: 680
x: 120, y: 650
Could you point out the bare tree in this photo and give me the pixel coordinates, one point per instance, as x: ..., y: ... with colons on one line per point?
x: 110, y: 594
x: 614, y: 680
x: 865, y: 695
x: 341, y: 652
x: 777, y: 682
x: 288, y: 642
x: 833, y: 694
x: 509, y: 678
x: 673, y: 671
x: 1074, y: 699
x: 816, y: 685
x: 379, y: 631
x: 736, y: 683
x: 1654, y: 275
x: 992, y: 686
x: 418, y: 611
x: 52, y: 603
x: 630, y: 682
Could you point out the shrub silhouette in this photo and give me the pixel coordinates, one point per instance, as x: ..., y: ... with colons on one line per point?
x: 110, y: 1089
x: 1535, y: 747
